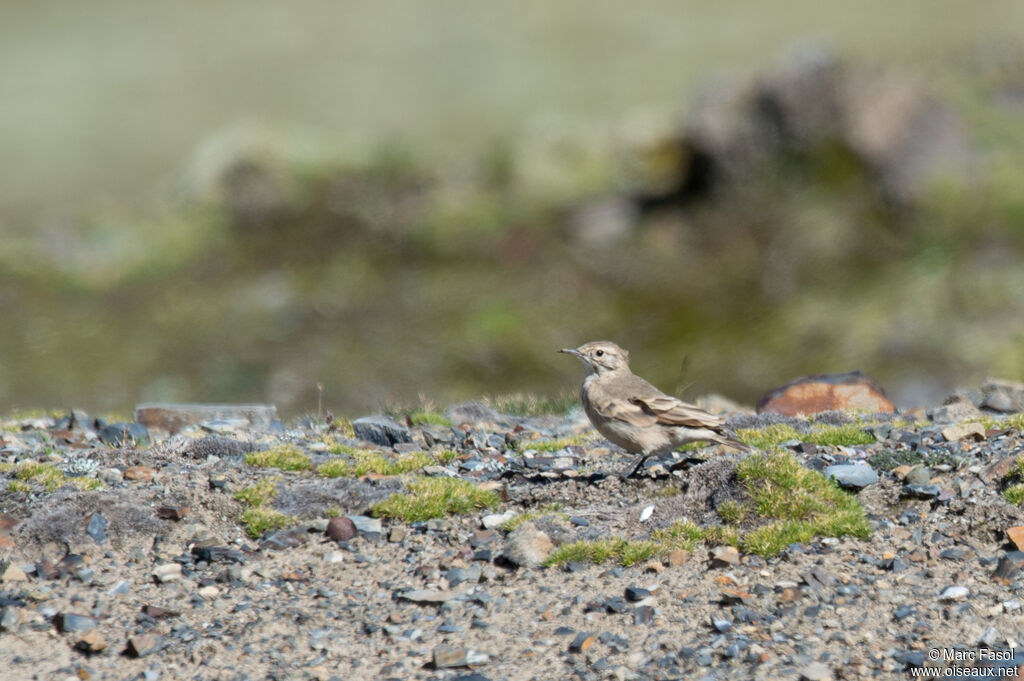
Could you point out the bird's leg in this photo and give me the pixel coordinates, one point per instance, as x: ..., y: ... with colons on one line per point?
x: 634, y: 465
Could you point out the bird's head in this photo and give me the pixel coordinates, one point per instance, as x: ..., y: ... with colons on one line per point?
x: 600, y: 357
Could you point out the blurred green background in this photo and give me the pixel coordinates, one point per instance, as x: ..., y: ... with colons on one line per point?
x: 402, y: 201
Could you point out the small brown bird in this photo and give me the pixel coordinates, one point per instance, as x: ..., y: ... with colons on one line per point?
x: 634, y: 414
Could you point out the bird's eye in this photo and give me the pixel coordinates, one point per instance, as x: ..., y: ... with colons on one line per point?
x: 599, y: 353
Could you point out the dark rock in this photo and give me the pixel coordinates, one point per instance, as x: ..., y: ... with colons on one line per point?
x: 721, y: 624
x: 125, y: 435
x: 66, y: 621
x: 922, y: 491
x: 340, y: 529
x: 643, y: 614
x: 97, y: 527
x: 852, y: 475
x: 1009, y: 567
x: 143, y: 644
x: 826, y: 392
x: 218, y: 554
x: 381, y: 430
x: 636, y: 593
x: 582, y: 641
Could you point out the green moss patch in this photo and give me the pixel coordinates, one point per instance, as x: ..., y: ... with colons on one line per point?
x: 46, y: 475
x: 366, y: 461
x: 427, y: 498
x: 258, y: 521
x: 786, y: 504
x: 283, y: 457
x: 770, y: 437
x: 257, y: 494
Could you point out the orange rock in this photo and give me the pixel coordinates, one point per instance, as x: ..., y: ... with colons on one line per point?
x: 144, y: 473
x: 825, y: 392
x: 677, y: 557
x: 1016, y: 535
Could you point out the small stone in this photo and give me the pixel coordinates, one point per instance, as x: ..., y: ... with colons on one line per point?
x: 446, y: 657
x: 954, y: 593
x: 143, y: 473
x: 429, y: 595
x: 853, y: 476
x: 677, y: 557
x: 960, y: 431
x: 721, y: 624
x: 168, y: 572
x: 397, y: 534
x: 724, y: 556
x: 998, y: 470
x: 900, y: 472
x: 922, y: 491
x: 66, y: 621
x: 91, y: 642
x: 367, y: 525
x: 340, y: 529
x: 492, y: 521
x: 9, y: 619
x: 1016, y: 535
x: 918, y: 475
x: 582, y: 641
x: 956, y: 410
x: 9, y: 572
x: 636, y: 593
x: 816, y: 671
x: 209, y: 592
x: 143, y: 644
x: 334, y: 557
x: 643, y: 614
x: 527, y: 546
x: 174, y: 513
x: 1009, y: 567
x: 97, y: 527
x: 1001, y: 400
x: 381, y: 431
x: 156, y: 612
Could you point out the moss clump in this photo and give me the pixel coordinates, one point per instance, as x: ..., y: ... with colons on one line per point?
x: 800, y: 504
x: 732, y: 512
x: 429, y: 418
x: 87, y: 484
x: 793, y: 504
x: 18, y: 486
x: 283, y: 457
x: 260, y: 520
x: 549, y: 446
x: 547, y: 510
x: 1014, y: 494
x: 770, y: 437
x: 367, y: 462
x: 598, y: 551
x: 258, y: 494
x: 447, y: 456
x: 427, y: 498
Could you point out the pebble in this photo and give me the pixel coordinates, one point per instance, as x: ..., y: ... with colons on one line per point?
x: 143, y: 644
x: 816, y: 671
x: 724, y: 556
x: 91, y: 642
x: 954, y: 593
x: 582, y: 642
x: 340, y: 529
x: 526, y: 546
x: 445, y: 657
x: 168, y: 572
x: 493, y: 521
x: 852, y: 475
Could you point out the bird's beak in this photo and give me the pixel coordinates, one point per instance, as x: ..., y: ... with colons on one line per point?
x: 571, y: 351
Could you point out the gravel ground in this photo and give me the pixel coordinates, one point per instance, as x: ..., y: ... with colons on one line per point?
x: 153, y: 576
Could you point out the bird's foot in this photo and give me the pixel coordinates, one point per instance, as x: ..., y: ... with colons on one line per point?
x: 634, y: 465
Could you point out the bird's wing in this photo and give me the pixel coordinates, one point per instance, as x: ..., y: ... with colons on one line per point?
x: 668, y: 410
